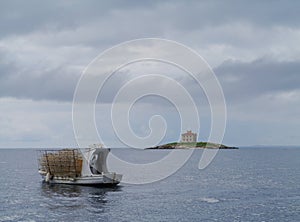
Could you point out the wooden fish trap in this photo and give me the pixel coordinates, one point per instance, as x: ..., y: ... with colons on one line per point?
x: 61, y: 163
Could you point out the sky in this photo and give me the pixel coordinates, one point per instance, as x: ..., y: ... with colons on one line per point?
x: 252, y: 47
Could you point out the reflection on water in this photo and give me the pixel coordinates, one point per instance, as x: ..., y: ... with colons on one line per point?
x: 59, y: 197
x: 62, y: 190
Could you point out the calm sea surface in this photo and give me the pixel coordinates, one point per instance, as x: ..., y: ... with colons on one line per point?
x: 249, y: 184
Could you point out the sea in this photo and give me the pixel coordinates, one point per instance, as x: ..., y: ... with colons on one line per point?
x: 247, y: 184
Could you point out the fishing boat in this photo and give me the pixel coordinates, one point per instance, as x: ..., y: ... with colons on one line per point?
x: 77, y: 167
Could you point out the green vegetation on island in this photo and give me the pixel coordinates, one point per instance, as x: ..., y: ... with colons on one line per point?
x: 184, y: 145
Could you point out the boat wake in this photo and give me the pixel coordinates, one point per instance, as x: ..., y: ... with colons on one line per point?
x: 209, y: 200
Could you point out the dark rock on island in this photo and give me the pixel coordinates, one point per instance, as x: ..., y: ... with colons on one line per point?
x: 201, y: 145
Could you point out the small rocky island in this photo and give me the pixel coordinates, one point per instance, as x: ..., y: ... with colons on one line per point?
x: 185, y: 145
x: 189, y: 140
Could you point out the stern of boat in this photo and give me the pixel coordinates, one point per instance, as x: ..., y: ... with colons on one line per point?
x: 112, y: 178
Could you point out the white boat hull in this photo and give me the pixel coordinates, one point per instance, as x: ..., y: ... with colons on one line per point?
x: 106, y: 179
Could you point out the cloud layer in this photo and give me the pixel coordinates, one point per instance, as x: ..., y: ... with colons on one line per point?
x: 253, y: 47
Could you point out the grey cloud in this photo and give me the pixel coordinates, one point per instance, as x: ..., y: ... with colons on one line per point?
x: 55, y: 84
x: 247, y: 80
x: 19, y: 17
x: 113, y: 21
x: 65, y: 35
